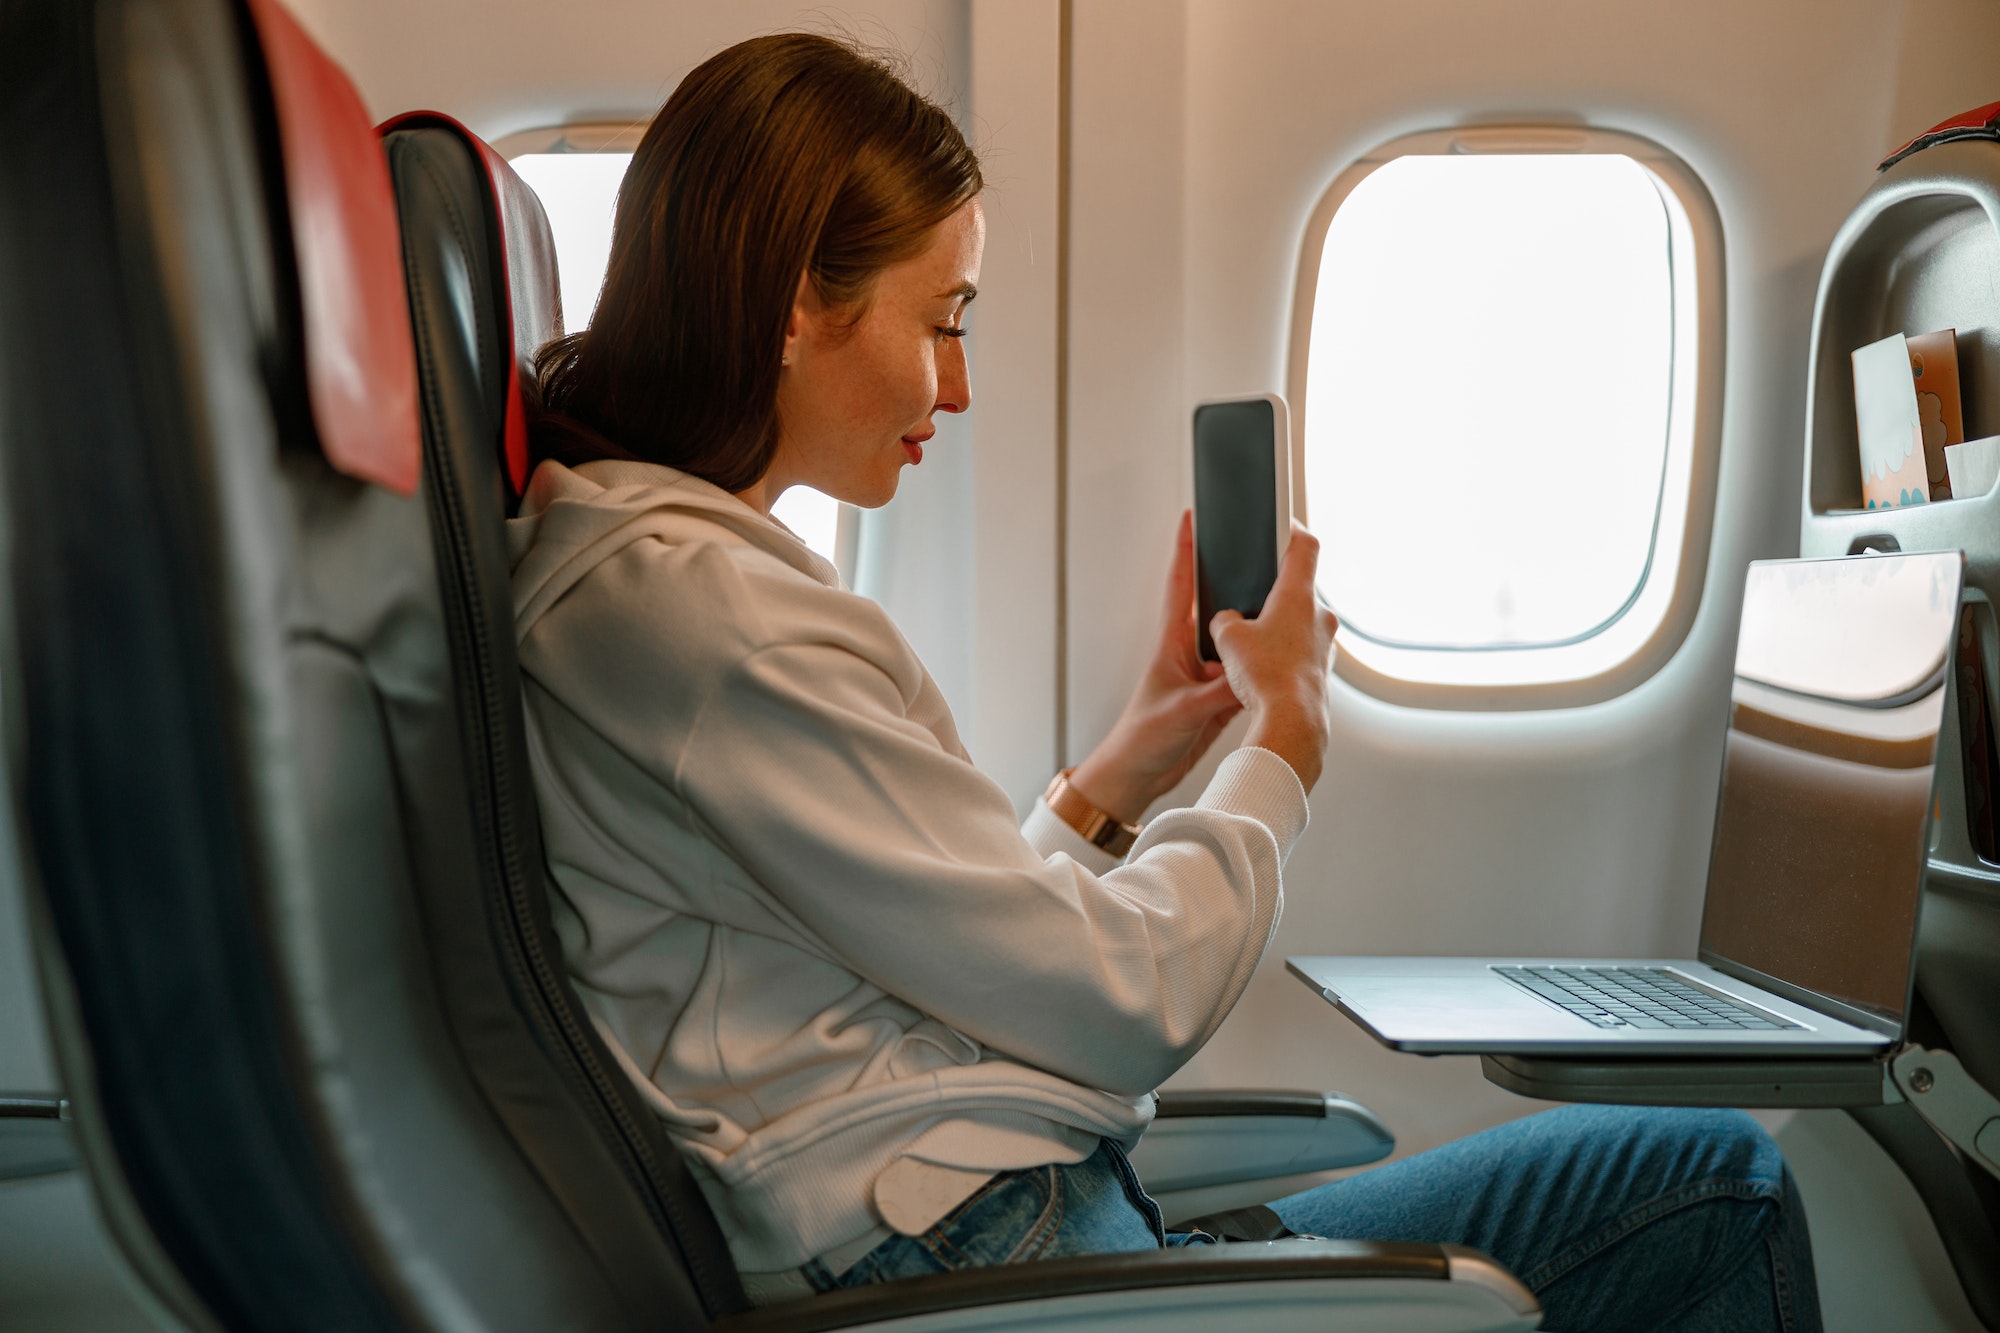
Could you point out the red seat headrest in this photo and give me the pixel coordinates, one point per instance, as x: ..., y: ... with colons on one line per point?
x: 527, y: 250
x: 361, y: 361
x: 1978, y: 123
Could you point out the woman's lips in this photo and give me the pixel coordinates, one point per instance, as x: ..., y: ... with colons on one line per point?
x: 913, y: 446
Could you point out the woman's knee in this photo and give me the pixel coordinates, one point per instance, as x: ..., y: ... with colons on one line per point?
x: 1726, y: 1144
x: 1681, y: 1146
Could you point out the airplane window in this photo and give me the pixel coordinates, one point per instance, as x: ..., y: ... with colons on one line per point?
x: 1491, y: 351
x: 1497, y: 410
x: 579, y: 189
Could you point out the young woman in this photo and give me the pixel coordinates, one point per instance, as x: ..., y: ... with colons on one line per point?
x: 894, y: 1032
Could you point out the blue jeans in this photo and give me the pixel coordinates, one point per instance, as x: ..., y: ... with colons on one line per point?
x: 1615, y: 1217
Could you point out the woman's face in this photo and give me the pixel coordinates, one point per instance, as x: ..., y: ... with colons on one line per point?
x: 856, y: 401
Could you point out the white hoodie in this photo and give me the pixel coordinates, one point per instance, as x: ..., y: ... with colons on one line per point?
x: 847, y: 982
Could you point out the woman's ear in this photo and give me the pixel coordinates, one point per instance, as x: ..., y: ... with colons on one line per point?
x: 805, y: 302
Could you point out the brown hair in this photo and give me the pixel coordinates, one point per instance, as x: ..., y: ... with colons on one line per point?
x: 783, y: 155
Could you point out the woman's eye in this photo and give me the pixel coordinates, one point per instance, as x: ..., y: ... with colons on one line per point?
x: 951, y: 330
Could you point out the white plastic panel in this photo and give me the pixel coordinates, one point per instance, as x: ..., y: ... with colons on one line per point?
x: 1195, y: 1152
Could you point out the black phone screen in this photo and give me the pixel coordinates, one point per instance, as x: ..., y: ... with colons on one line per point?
x: 1235, y: 509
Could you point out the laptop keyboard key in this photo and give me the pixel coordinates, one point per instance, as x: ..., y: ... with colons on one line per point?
x: 1650, y: 998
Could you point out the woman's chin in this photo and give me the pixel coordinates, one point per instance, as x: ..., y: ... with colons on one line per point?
x: 873, y: 496
x: 880, y: 490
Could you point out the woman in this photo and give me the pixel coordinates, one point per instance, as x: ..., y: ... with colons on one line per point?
x: 893, y: 1032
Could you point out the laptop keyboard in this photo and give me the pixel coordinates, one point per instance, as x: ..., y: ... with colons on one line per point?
x: 1639, y: 997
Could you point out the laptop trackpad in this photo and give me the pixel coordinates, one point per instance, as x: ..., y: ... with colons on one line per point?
x: 1472, y: 1008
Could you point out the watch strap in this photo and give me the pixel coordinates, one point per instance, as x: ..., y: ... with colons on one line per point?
x: 1097, y: 827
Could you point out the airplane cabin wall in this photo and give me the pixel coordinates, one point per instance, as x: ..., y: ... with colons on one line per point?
x: 1203, y: 135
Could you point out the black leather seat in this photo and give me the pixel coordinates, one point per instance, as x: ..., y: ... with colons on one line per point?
x: 484, y: 295
x: 306, y: 1081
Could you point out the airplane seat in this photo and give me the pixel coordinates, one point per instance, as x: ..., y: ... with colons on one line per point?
x: 482, y: 279
x: 1917, y: 254
x: 479, y: 261
x: 304, y: 1093
x: 505, y: 291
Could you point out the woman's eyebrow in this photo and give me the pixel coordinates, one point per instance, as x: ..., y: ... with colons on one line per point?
x: 965, y: 291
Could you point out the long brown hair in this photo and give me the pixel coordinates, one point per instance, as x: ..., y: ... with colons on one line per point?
x: 783, y: 155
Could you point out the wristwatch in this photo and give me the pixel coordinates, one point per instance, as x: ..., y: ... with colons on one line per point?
x: 1097, y: 827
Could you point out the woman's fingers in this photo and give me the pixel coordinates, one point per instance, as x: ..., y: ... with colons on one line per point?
x: 1213, y: 695
x: 1191, y: 710
x: 1299, y: 569
x: 1179, y: 614
x: 1277, y: 663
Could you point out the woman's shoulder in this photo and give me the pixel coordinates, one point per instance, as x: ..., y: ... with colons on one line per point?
x: 647, y: 555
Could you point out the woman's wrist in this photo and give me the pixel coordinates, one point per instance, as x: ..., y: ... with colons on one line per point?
x: 1295, y: 735
x: 1092, y: 823
x: 1111, y: 787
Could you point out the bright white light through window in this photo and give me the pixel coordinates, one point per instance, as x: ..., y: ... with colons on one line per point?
x: 1487, y: 397
x: 813, y: 516
x: 579, y: 192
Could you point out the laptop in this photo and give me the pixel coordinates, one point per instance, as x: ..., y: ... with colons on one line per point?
x: 1822, y: 832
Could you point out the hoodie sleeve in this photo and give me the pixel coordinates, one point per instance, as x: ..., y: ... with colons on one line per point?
x: 905, y: 861
x: 1047, y: 834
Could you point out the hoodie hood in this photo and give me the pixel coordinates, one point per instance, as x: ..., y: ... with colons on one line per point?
x: 573, y: 519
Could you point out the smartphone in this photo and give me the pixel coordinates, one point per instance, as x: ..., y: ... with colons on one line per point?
x: 1242, y: 504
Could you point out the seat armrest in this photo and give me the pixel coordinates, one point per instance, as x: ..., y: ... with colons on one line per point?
x: 1273, y: 1286
x: 1225, y: 1137
x: 1183, y: 1104
x: 34, y: 1135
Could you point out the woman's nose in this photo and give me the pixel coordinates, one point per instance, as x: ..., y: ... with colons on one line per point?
x: 954, y: 377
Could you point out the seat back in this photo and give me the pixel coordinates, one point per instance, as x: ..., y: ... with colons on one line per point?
x: 233, y: 725
x: 1912, y: 257
x: 481, y: 269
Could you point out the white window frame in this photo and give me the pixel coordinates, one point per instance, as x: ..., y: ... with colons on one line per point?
x: 1639, y: 639
x: 597, y: 136
x: 622, y: 136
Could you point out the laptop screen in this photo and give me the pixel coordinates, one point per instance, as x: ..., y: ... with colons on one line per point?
x: 1824, y: 821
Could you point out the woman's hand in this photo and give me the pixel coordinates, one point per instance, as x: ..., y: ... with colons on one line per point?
x: 1276, y: 664
x: 1178, y: 708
